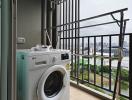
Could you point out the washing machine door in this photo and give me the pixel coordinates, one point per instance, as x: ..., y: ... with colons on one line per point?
x: 53, y: 83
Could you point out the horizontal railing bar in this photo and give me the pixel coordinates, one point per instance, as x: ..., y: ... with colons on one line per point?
x: 85, y: 19
x: 96, y: 36
x: 95, y: 25
x: 91, y: 56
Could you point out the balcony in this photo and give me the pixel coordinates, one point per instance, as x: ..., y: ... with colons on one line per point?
x: 94, y: 59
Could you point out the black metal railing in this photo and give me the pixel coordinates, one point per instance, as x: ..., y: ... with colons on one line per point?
x: 104, y: 76
x: 97, y: 63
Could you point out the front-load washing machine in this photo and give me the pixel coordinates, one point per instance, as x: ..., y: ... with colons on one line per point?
x: 42, y: 75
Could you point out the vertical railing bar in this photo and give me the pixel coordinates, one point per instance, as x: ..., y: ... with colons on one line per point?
x: 72, y: 70
x: 130, y: 67
x: 82, y: 60
x: 75, y: 70
x: 60, y: 42
x: 88, y: 60
x: 94, y: 61
x: 78, y: 65
x: 66, y: 25
x: 110, y: 63
x: 75, y: 37
x: 69, y: 22
x: 78, y: 42
x: 102, y: 61
x: 63, y: 23
x: 120, y: 74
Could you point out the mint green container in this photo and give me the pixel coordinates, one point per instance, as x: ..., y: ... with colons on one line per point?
x: 22, y: 75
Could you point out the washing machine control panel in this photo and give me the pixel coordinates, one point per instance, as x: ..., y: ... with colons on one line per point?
x: 64, y: 56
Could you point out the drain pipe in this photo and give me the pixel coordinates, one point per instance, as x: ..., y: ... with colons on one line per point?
x: 43, y: 21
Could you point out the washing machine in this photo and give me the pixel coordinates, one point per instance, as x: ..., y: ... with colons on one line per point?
x: 43, y: 75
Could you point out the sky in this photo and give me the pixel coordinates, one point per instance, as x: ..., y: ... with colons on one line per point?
x: 89, y: 8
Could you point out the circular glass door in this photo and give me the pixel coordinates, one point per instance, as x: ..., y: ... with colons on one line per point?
x: 53, y: 84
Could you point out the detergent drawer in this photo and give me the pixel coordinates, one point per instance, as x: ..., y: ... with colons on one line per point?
x: 41, y: 60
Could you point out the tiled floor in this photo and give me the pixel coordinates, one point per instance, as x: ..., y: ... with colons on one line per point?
x: 76, y: 94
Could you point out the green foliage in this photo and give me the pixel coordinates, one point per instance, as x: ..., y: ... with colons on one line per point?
x: 94, y: 68
x: 122, y: 98
x: 104, y: 69
x: 125, y: 75
x: 98, y: 69
x: 124, y: 85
